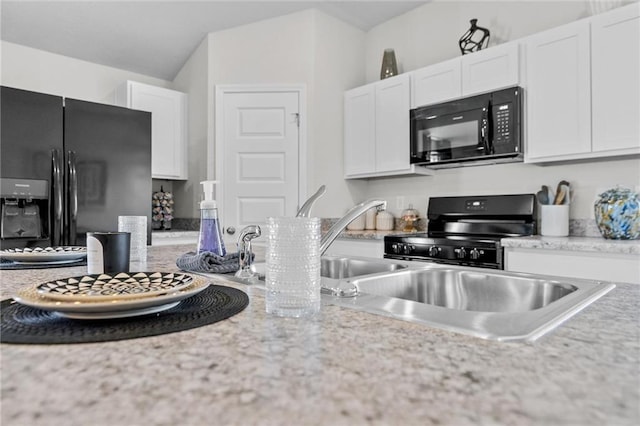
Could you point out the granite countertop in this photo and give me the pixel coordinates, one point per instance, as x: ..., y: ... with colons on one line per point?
x: 585, y: 244
x: 342, y: 367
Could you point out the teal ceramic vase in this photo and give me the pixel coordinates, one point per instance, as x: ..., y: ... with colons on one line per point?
x: 617, y: 213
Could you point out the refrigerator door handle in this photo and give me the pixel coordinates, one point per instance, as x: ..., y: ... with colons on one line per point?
x: 73, y: 197
x: 57, y: 195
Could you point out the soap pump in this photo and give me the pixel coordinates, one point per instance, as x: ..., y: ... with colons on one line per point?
x: 210, y: 236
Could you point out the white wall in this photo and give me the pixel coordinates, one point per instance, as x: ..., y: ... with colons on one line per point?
x: 429, y: 35
x: 338, y: 65
x: 32, y: 69
x: 309, y: 48
x: 193, y: 80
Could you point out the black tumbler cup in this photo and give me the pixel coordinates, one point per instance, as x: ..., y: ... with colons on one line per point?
x: 108, y: 252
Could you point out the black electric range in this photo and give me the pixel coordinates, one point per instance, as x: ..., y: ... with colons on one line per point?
x: 467, y: 230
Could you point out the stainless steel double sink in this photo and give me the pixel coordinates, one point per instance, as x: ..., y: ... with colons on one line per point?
x: 485, y: 303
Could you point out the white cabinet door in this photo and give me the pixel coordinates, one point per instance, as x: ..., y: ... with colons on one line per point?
x: 615, y: 38
x: 392, y: 124
x: 436, y: 83
x: 614, y: 267
x: 376, y: 130
x: 359, y: 131
x: 558, y: 93
x: 491, y: 69
x: 167, y: 109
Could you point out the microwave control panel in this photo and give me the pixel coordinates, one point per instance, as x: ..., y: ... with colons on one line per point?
x: 502, y: 123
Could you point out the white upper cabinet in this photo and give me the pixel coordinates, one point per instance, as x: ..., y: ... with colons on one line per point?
x: 482, y: 71
x: 582, y: 89
x: 168, y: 126
x: 436, y: 83
x: 490, y: 69
x: 376, y: 130
x: 557, y: 87
x: 615, y: 74
x: 392, y: 124
x: 359, y: 131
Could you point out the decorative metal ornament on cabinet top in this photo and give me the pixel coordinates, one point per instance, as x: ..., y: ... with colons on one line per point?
x: 476, y: 38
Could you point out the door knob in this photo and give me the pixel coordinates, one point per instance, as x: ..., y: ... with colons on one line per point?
x: 231, y: 230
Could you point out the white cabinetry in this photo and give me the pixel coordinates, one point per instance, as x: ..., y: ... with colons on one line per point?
x: 359, y: 131
x: 615, y: 74
x: 558, y: 101
x: 436, y: 83
x: 583, y: 93
x: 491, y: 69
x: 376, y: 130
x: 168, y: 126
x: 392, y: 124
x: 614, y: 267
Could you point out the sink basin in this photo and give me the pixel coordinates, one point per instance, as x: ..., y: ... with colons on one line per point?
x: 485, y: 303
x: 468, y: 290
x: 347, y: 267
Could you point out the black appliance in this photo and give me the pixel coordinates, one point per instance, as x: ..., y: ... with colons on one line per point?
x: 93, y: 161
x: 475, y: 130
x: 467, y: 230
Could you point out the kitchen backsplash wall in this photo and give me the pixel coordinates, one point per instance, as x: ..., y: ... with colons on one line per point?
x: 587, y: 181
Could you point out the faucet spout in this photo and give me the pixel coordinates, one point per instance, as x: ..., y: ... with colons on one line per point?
x: 305, y: 210
x: 342, y: 223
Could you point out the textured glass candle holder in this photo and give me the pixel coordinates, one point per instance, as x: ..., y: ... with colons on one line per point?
x: 137, y: 227
x: 293, y: 266
x: 617, y: 213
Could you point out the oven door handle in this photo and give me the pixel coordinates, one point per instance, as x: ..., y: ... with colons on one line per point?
x: 485, y: 130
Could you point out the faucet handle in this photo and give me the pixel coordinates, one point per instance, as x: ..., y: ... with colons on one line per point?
x: 247, y: 234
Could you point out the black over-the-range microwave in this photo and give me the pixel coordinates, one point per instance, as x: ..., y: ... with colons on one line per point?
x: 479, y: 129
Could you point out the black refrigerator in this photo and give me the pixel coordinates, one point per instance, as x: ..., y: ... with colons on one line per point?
x: 94, y: 158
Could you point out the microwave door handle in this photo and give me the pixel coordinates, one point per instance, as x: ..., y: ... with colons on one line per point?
x: 485, y: 131
x: 73, y: 197
x: 57, y: 195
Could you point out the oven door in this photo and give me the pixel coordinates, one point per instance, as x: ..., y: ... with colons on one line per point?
x: 449, y: 133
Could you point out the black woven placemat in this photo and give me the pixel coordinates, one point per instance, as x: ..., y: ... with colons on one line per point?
x: 8, y: 264
x: 22, y: 324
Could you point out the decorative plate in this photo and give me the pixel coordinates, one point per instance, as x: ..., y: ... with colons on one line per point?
x: 117, y: 314
x: 122, y: 285
x: 30, y: 296
x: 44, y: 254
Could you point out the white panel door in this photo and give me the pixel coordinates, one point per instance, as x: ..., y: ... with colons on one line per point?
x: 615, y: 56
x: 260, y: 132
